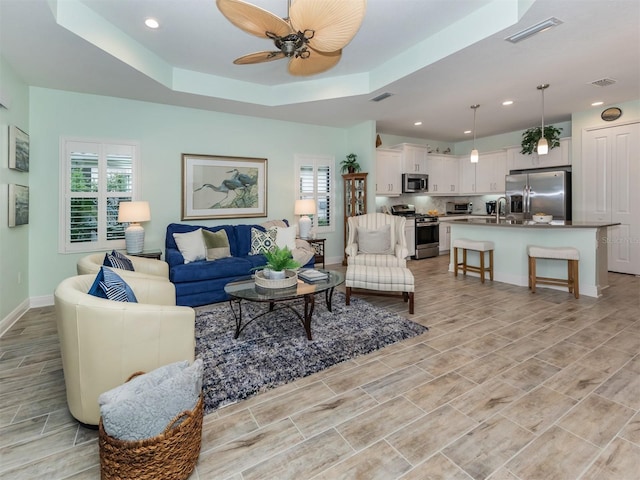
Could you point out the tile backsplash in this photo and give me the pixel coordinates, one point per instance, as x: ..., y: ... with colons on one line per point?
x: 424, y: 203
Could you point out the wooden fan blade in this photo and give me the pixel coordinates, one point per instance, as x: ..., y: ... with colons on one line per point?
x: 252, y: 19
x: 258, y: 57
x: 317, y: 62
x: 335, y: 22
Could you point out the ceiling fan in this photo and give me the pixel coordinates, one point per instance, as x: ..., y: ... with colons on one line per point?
x: 312, y: 36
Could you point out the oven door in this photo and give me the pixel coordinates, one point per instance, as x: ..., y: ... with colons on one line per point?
x: 427, y: 240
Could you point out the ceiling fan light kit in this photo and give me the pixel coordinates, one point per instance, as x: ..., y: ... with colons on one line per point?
x: 312, y: 36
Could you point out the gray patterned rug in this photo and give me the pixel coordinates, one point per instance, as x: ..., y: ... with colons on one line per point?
x: 274, y: 350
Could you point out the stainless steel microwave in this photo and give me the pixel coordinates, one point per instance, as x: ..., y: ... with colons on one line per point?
x: 415, y: 183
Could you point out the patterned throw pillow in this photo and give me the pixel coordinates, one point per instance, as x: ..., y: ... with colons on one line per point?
x: 117, y: 260
x: 262, y: 241
x: 217, y: 244
x: 110, y: 285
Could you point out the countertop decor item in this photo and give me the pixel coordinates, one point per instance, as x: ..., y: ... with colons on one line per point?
x: 542, y: 218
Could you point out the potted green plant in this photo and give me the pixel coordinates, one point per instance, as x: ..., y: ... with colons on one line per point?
x: 279, y: 260
x: 350, y: 164
x: 531, y: 136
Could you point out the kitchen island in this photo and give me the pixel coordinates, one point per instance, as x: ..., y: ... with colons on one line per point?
x: 511, y: 238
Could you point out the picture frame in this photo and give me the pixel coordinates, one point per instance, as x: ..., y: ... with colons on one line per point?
x: 18, y: 149
x: 223, y: 187
x: 18, y: 205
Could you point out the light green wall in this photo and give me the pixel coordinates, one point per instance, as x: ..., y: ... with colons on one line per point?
x: 14, y: 242
x: 164, y: 132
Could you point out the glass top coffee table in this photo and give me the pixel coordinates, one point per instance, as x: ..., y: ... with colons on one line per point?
x: 246, y: 290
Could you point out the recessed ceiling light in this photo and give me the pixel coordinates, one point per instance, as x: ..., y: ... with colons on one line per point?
x: 151, y: 23
x: 467, y: 132
x: 417, y: 124
x: 507, y: 102
x: 596, y: 104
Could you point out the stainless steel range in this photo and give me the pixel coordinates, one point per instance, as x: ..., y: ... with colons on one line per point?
x: 427, y: 230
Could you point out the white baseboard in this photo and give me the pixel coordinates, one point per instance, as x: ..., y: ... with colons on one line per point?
x: 34, y: 302
x: 7, y: 322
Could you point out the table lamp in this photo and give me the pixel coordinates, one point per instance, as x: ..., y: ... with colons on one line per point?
x: 304, y: 208
x: 133, y: 213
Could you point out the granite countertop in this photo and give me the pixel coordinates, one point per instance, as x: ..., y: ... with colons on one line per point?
x: 491, y: 222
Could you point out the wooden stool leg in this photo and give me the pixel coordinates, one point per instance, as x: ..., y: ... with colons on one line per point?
x: 570, y: 275
x: 491, y: 265
x: 481, y: 267
x: 532, y: 274
x: 348, y: 296
x: 464, y: 261
x: 576, y: 279
x: 455, y: 261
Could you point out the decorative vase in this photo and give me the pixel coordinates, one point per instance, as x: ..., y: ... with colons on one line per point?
x: 274, y: 275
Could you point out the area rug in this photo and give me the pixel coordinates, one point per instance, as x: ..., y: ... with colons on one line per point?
x: 274, y: 350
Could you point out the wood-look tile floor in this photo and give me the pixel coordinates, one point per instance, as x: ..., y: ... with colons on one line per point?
x: 505, y: 385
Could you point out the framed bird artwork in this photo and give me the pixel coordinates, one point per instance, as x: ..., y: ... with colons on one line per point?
x: 223, y: 187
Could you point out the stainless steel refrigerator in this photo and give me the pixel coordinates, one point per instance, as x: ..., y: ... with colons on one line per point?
x: 539, y: 191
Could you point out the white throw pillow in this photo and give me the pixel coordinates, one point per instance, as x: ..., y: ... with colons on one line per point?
x: 375, y: 241
x: 191, y: 245
x: 285, y: 237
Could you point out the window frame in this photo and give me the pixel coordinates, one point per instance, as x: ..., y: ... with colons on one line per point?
x: 102, y: 147
x: 316, y: 161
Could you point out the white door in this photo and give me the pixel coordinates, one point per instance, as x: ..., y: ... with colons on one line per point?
x: 612, y: 194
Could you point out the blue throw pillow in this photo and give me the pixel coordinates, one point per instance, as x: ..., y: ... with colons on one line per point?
x: 110, y: 285
x: 117, y: 260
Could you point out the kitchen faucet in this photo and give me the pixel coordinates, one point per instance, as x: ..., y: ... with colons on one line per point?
x: 498, y: 208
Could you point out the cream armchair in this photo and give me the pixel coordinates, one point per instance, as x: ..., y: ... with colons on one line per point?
x: 103, y: 342
x: 369, y: 250
x: 91, y: 264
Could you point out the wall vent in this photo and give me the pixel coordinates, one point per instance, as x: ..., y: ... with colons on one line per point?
x: 381, y: 97
x: 603, y: 82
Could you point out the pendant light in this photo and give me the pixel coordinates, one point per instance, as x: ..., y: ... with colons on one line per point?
x: 474, y: 152
x: 543, y: 145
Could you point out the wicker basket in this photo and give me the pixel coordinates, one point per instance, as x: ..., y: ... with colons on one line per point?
x: 291, y: 279
x: 172, y: 455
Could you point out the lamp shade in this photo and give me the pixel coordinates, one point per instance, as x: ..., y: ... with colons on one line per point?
x: 543, y: 146
x: 134, y: 212
x: 305, y: 207
x: 474, y: 156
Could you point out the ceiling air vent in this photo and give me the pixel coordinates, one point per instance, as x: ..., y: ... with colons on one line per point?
x: 603, y: 82
x: 381, y: 97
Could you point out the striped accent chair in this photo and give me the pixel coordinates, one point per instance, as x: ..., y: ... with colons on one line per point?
x: 378, y: 246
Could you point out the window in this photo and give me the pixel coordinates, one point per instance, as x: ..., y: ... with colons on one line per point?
x: 315, y: 181
x: 96, y: 177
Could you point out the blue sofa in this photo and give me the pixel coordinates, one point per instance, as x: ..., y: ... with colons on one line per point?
x: 202, y: 282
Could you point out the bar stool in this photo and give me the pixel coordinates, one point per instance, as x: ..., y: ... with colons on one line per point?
x: 480, y: 246
x: 555, y: 253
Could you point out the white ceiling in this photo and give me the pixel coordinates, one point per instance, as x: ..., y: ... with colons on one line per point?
x: 437, y: 57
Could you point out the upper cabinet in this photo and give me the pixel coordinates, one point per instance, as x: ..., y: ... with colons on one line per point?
x: 388, y: 172
x: 443, y: 174
x: 414, y: 157
x: 490, y: 172
x: 467, y: 174
x: 557, y: 157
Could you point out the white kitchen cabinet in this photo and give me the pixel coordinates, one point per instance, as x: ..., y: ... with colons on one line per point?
x: 467, y: 173
x: 490, y: 172
x: 388, y: 172
x: 557, y: 157
x: 610, y: 175
x: 410, y: 234
x: 445, y: 237
x: 414, y: 157
x: 443, y: 174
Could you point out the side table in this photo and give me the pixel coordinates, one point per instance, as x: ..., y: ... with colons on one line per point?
x: 318, y: 247
x: 157, y: 254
